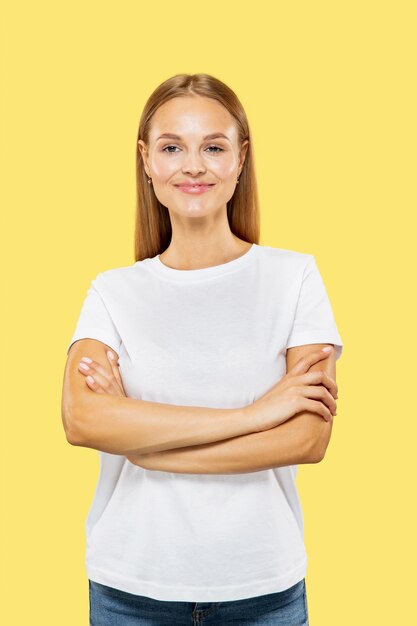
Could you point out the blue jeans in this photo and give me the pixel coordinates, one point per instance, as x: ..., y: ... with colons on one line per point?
x: 112, y: 607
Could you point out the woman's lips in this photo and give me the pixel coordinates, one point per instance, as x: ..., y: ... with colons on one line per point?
x: 195, y: 189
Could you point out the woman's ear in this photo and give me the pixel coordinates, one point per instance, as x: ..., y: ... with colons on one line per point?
x: 243, y: 149
x: 144, y: 154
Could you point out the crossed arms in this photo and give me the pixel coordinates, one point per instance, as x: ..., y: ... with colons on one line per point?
x: 302, y: 439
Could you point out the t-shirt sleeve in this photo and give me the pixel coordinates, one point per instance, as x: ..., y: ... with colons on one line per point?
x: 314, y: 321
x: 95, y: 321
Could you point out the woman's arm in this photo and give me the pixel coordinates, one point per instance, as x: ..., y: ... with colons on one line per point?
x: 302, y: 439
x: 290, y: 443
x: 122, y: 425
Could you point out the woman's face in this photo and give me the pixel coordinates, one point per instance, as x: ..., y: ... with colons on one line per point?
x: 191, y: 157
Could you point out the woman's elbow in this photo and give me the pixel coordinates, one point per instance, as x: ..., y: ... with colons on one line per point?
x: 318, y: 439
x: 71, y: 424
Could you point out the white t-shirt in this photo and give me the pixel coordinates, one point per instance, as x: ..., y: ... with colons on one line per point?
x: 214, y: 337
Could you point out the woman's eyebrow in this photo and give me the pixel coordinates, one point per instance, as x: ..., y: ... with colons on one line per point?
x: 212, y: 136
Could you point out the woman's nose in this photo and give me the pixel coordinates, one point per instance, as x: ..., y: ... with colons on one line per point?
x: 193, y: 169
x: 193, y: 163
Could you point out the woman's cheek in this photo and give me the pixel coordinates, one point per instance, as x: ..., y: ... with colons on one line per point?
x: 163, y: 168
x: 225, y: 168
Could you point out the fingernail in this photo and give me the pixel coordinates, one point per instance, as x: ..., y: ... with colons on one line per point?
x: 110, y: 355
x: 86, y: 359
x: 90, y: 379
x: 84, y: 367
x: 327, y: 349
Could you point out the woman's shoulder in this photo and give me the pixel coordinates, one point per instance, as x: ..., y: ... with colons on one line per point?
x: 115, y: 273
x: 286, y: 256
x: 117, y: 277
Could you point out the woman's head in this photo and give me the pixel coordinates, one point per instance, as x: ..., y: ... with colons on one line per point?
x: 191, y: 107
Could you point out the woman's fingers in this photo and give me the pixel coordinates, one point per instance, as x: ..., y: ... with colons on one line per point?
x: 315, y: 377
x: 315, y: 406
x: 93, y: 384
x: 115, y: 369
x: 100, y: 375
x: 318, y: 392
x: 318, y: 377
x: 304, y: 364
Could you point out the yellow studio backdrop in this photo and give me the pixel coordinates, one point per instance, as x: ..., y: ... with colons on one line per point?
x: 329, y: 89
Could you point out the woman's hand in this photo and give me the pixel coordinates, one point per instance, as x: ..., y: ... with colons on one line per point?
x: 299, y: 390
x: 99, y: 379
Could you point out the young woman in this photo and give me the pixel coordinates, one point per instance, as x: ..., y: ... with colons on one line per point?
x: 198, y: 373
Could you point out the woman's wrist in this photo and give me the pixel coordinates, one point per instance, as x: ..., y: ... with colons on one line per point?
x: 249, y: 415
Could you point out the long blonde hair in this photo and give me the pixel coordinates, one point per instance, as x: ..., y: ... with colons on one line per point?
x: 153, y: 225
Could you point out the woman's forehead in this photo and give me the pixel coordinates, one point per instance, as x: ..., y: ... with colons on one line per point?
x: 192, y: 117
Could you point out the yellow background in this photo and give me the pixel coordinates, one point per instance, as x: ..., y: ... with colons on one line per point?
x: 329, y: 89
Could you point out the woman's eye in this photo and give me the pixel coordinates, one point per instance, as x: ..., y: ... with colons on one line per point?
x: 215, y: 151
x: 165, y: 149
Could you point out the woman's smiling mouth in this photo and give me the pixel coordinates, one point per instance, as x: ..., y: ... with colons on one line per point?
x: 194, y: 189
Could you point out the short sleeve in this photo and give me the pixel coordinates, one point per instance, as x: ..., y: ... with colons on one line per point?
x: 314, y: 321
x: 95, y: 321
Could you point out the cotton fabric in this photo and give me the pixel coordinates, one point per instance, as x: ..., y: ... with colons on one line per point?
x: 214, y: 337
